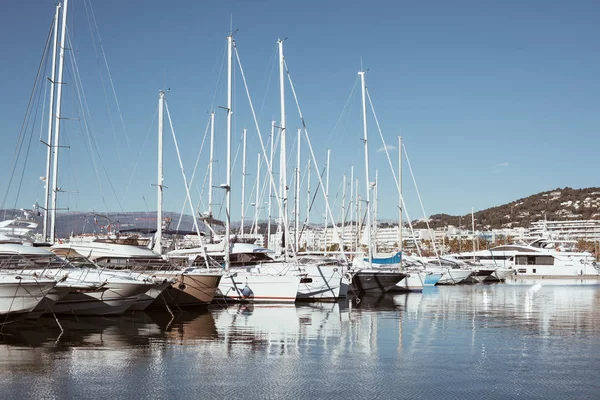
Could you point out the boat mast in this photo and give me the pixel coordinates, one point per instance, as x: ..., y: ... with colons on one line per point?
x: 350, y: 203
x: 473, y: 235
x: 375, y: 209
x: 368, y: 183
x: 50, y: 123
x: 63, y: 35
x: 400, y: 194
x: 228, y: 175
x: 358, y: 217
x: 210, y: 169
x: 343, y: 206
x: 297, y: 194
x: 327, y: 199
x: 243, y: 182
x: 160, y: 178
x: 256, y: 203
x: 282, y: 149
x: 308, y: 200
x: 270, y: 167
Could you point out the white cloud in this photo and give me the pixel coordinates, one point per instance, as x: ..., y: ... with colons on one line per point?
x: 389, y: 147
x: 502, y: 165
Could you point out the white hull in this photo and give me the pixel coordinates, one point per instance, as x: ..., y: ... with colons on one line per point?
x: 571, y: 270
x: 412, y: 283
x: 454, y: 276
x: 245, y: 286
x: 317, y: 282
x: 114, y: 298
x: 21, y: 294
x: 322, y: 282
x: 501, y: 274
x: 150, y: 296
x: 48, y: 303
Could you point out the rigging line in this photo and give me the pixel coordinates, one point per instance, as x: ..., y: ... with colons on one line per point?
x: 328, y: 208
x: 43, y: 109
x: 345, y: 111
x: 262, y: 145
x: 103, y: 84
x: 420, y: 201
x: 219, y: 76
x: 387, y: 154
x: 304, y: 224
x: 80, y: 103
x: 194, y: 172
x: 38, y: 94
x: 89, y: 130
x: 187, y: 188
x: 139, y: 156
x: 273, y: 58
x: 112, y: 85
x: 20, y: 138
x: 27, y: 152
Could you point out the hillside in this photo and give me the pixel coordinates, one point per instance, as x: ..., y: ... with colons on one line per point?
x: 555, y: 205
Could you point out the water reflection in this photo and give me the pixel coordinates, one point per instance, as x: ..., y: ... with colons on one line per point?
x: 503, y: 337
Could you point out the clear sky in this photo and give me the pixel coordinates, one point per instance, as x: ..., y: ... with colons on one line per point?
x: 495, y: 100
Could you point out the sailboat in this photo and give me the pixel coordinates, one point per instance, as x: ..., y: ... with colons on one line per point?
x: 371, y: 276
x: 247, y: 283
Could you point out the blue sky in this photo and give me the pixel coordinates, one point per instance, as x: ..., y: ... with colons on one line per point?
x: 495, y: 100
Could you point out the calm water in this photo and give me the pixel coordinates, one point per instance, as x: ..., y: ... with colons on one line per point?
x: 465, y: 342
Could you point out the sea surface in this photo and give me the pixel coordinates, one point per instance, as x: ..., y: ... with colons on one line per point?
x: 499, y: 341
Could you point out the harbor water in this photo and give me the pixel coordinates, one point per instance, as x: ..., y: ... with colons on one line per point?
x: 499, y: 341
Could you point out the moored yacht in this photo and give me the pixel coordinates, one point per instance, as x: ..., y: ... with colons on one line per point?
x: 185, y: 288
x: 20, y: 293
x: 380, y: 275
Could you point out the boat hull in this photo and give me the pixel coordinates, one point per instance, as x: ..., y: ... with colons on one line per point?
x: 375, y: 281
x: 19, y: 294
x: 257, y: 288
x: 454, y: 276
x: 113, y: 298
x: 191, y: 289
x: 413, y: 282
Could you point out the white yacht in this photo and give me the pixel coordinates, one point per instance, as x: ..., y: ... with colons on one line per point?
x: 544, y: 257
x: 82, y: 289
x: 252, y: 271
x: 184, y: 288
x: 21, y: 293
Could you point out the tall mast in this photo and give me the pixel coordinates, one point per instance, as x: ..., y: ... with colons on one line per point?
x: 400, y: 193
x: 375, y: 209
x: 352, y: 230
x: 243, y: 214
x: 327, y: 199
x: 256, y: 203
x: 270, y: 186
x: 308, y: 200
x: 160, y: 179
x: 473, y: 227
x: 228, y: 175
x: 368, y: 183
x: 210, y: 166
x: 50, y: 123
x: 297, y: 194
x: 282, y: 149
x: 343, y: 205
x: 63, y: 35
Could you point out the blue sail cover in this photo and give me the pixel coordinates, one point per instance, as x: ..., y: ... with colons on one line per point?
x: 395, y: 259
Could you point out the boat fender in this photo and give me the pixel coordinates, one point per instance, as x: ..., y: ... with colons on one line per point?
x: 246, y: 291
